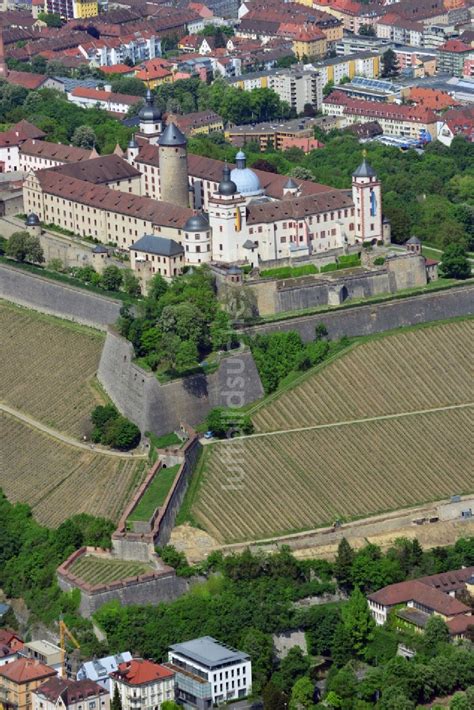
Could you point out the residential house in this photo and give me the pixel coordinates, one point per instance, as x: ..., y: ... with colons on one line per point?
x: 10, y: 646
x: 456, y: 122
x: 227, y: 672
x: 66, y: 694
x: 198, y: 122
x: 99, y: 669
x: 31, y: 81
x: 414, y: 601
x: 154, y: 72
x: 142, y: 683
x: 19, y: 679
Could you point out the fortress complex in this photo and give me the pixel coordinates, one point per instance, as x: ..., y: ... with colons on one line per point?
x: 201, y: 209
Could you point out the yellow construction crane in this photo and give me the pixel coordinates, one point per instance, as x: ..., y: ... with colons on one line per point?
x: 63, y: 633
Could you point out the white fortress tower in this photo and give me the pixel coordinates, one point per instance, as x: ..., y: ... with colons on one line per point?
x: 367, y: 196
x: 227, y: 217
x: 197, y: 239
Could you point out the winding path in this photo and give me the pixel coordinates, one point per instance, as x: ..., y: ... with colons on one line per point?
x: 91, y: 448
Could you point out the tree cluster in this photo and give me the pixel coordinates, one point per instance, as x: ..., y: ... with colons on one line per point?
x: 22, y: 246
x: 178, y: 323
x: 113, y: 429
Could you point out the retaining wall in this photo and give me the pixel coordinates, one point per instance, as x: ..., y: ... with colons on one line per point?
x: 376, y: 318
x: 160, y: 408
x: 57, y: 299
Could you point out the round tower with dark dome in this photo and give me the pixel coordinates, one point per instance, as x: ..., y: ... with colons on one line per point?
x: 151, y: 124
x: 197, y: 239
x: 173, y: 157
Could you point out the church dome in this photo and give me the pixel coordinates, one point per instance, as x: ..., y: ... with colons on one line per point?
x: 149, y: 112
x: 246, y: 180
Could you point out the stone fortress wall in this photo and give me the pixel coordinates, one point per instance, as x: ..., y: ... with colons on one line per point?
x: 160, y: 408
x: 379, y: 317
x: 57, y: 298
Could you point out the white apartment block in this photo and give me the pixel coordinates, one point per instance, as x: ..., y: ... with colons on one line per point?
x: 228, y: 671
x: 298, y: 88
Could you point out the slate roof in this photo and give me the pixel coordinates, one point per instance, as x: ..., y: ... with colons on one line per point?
x: 157, y: 245
x: 208, y: 652
x: 70, y: 691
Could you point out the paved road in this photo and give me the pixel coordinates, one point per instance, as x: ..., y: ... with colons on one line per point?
x: 349, y: 422
x: 64, y: 437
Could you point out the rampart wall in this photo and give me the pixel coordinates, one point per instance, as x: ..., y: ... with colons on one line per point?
x: 160, y: 408
x: 376, y: 318
x: 57, y: 299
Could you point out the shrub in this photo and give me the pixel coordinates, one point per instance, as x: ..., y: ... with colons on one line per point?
x: 328, y: 267
x: 112, y: 429
x: 379, y: 261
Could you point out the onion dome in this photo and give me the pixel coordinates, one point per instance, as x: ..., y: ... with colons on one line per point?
x: 226, y: 186
x: 149, y: 112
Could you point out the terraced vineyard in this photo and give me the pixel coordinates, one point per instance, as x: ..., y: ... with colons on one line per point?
x: 269, y: 485
x: 285, y: 479
x: 47, y: 368
x: 97, y: 570
x: 418, y: 369
x: 59, y: 480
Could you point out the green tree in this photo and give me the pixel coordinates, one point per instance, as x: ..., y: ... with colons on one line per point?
x: 170, y: 705
x: 390, y: 66
x: 393, y: 698
x: 88, y: 275
x: 358, y: 621
x: 222, y: 334
x: 122, y: 434
x: 327, y: 88
x: 52, y: 19
x: 343, y: 563
x: 436, y: 633
x: 84, y: 137
x: 103, y: 414
x: 333, y: 701
x: 128, y: 85
x: 112, y: 278
x: 274, y: 698
x: 24, y: 247
x: 187, y: 355
x: 302, y: 694
x: 454, y: 264
x: 157, y: 287
x: 184, y: 320
x: 301, y: 173
x: 131, y: 284
x: 459, y: 701
x: 293, y: 666
x: 259, y: 646
x: 344, y: 684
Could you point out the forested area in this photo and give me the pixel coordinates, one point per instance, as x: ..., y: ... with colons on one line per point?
x: 429, y: 195
x: 245, y: 599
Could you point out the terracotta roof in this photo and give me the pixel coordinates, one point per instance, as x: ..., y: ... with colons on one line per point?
x: 103, y: 169
x: 376, y: 109
x: 56, y: 151
x: 11, y: 639
x: 455, y: 45
x: 431, y: 98
x: 19, y: 133
x: 26, y: 79
x: 83, y: 92
x: 157, y: 72
x: 298, y: 207
x: 70, y: 691
x: 25, y: 670
x: 138, y: 672
x: 454, y: 579
x: 196, y: 119
x: 117, y: 69
x: 104, y: 198
x: 422, y: 593
x: 460, y: 624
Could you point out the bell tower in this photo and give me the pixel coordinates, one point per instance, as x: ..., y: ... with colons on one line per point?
x: 367, y: 196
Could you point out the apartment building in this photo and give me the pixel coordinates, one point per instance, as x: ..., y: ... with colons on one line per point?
x: 99, y: 669
x: 229, y: 672
x: 366, y: 64
x: 143, y: 685
x: 296, y: 86
x: 19, y: 679
x: 73, y: 9
x: 66, y: 694
x: 399, y: 30
x: 452, y: 56
x: 395, y: 120
x: 278, y: 134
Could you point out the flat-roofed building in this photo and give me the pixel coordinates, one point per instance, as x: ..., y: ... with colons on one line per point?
x: 46, y: 652
x: 228, y: 671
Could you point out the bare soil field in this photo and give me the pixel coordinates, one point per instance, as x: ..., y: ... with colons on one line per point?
x: 59, y: 480
x: 48, y: 367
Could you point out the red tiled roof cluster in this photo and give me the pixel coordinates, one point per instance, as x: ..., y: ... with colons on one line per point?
x: 431, y: 98
x: 456, y: 46
x: 376, y: 109
x: 424, y: 594
x: 19, y: 133
x: 84, y: 92
x: 139, y: 672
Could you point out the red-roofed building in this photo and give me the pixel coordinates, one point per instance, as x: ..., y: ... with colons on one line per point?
x: 10, y: 142
x: 154, y: 72
x: 31, y: 81
x: 122, y: 69
x: 452, y: 55
x: 394, y: 119
x: 19, y: 679
x: 143, y: 681
x: 66, y: 694
x: 10, y: 645
x: 431, y: 98
x: 107, y: 100
x: 426, y: 596
x: 457, y: 122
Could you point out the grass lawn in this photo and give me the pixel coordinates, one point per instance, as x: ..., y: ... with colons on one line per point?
x: 161, y: 442
x: 155, y: 495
